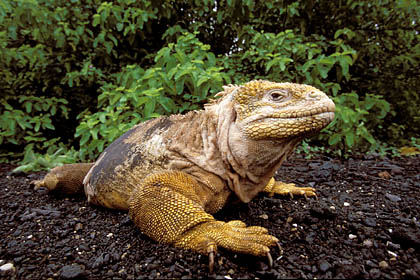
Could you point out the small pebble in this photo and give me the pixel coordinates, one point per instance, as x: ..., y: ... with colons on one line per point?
x: 78, y: 226
x: 324, y: 266
x: 392, y: 254
x: 346, y: 204
x: 393, y: 245
x: 7, y: 267
x: 370, y: 222
x: 393, y: 198
x: 375, y: 273
x: 71, y: 272
x: 367, y: 243
x: 371, y: 263
x: 383, y: 264
x: 352, y: 236
x: 264, y: 216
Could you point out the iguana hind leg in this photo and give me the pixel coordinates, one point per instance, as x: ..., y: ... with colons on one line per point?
x: 277, y: 187
x: 66, y: 179
x: 168, y: 208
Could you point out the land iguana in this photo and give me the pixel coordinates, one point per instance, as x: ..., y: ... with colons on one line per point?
x: 172, y: 173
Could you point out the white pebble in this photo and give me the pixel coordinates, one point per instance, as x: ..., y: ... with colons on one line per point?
x: 346, y: 204
x: 352, y: 236
x: 109, y: 234
x: 392, y: 254
x: 6, y: 267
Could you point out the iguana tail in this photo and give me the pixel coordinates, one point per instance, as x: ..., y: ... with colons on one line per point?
x: 66, y: 179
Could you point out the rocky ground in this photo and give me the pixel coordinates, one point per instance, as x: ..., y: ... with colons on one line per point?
x: 365, y: 223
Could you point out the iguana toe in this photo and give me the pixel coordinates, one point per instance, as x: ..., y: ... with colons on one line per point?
x: 280, y: 188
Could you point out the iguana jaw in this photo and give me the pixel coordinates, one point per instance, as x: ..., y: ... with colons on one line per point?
x: 288, y: 125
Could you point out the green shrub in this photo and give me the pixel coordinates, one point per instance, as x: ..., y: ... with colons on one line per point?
x: 101, y: 63
x: 28, y: 121
x: 355, y: 119
x: 183, y: 77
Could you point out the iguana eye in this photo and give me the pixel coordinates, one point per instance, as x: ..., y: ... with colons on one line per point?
x: 278, y: 95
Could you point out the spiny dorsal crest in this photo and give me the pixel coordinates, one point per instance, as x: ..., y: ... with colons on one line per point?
x: 250, y: 89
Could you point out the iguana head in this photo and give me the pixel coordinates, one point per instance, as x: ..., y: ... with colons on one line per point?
x: 269, y: 110
x: 260, y: 123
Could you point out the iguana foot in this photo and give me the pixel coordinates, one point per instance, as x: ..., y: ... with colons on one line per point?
x: 166, y: 207
x: 276, y: 187
x: 234, y: 236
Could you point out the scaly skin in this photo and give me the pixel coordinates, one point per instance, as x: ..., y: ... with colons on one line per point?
x: 172, y: 173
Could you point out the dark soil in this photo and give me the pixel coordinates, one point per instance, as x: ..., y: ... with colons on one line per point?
x: 365, y: 223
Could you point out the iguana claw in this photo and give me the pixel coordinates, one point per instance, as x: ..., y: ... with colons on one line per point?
x: 280, y: 248
x: 270, y: 260
x: 211, y: 261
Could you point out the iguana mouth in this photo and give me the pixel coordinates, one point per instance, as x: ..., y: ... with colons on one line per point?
x: 290, y: 124
x: 324, y: 113
x: 320, y: 111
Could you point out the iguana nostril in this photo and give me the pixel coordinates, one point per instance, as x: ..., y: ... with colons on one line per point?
x: 314, y: 94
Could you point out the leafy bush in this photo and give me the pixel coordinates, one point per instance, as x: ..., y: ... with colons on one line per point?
x: 28, y: 121
x: 355, y: 119
x: 104, y: 66
x: 183, y: 77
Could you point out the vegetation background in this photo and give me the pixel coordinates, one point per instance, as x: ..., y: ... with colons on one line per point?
x: 76, y: 74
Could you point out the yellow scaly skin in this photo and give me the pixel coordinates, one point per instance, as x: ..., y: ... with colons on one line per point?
x: 173, y: 173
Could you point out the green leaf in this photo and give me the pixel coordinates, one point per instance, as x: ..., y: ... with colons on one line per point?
x: 349, y: 139
x: 96, y: 20
x: 149, y: 108
x: 84, y: 140
x: 142, y: 100
x: 102, y: 117
x: 179, y: 85
x: 323, y: 70
x: 167, y: 104
x: 334, y: 139
x: 28, y: 107
x: 49, y: 125
x: 202, y: 80
x: 37, y: 125
x: 108, y: 47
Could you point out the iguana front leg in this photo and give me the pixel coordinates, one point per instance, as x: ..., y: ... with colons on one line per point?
x: 168, y: 208
x: 277, y: 187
